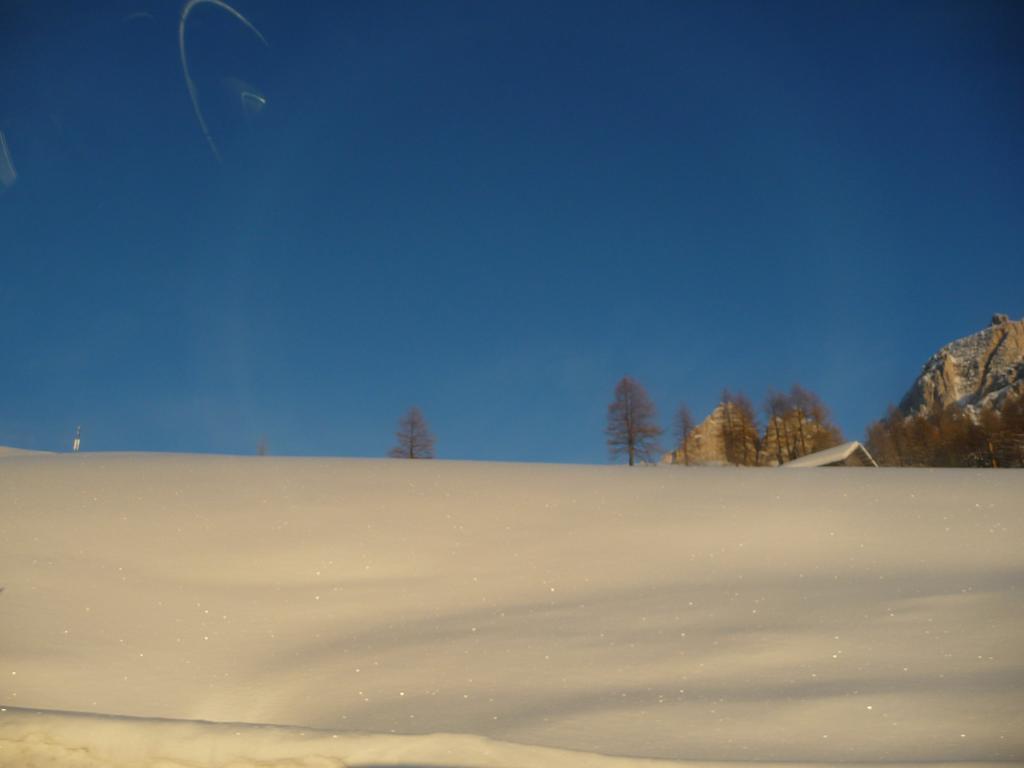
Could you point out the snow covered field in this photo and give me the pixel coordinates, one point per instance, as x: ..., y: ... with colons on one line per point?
x: 700, y: 615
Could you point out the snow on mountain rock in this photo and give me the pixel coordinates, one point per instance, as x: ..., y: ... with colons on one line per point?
x: 976, y: 371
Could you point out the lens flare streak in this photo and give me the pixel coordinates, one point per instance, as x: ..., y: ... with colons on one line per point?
x: 7, y: 173
x: 192, y: 91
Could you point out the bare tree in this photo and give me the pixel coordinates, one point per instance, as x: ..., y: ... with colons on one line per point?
x: 952, y: 436
x: 1013, y: 422
x: 776, y: 408
x: 414, y: 439
x: 631, y: 429
x: 882, y: 442
x: 728, y: 430
x: 747, y: 418
x: 803, y: 403
x: 798, y: 424
x: 739, y: 431
x: 684, y: 428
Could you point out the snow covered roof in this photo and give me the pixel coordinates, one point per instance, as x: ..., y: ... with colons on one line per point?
x: 851, y: 454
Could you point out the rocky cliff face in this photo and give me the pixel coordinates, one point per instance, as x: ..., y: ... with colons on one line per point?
x: 707, y: 444
x: 974, y: 372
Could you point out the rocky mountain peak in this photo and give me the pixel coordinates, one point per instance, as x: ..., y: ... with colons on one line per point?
x: 975, y: 372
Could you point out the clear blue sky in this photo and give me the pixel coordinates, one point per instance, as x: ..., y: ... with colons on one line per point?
x: 493, y: 210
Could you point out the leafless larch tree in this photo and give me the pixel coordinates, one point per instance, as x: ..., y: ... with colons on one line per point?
x: 413, y: 438
x: 684, y: 427
x: 631, y: 429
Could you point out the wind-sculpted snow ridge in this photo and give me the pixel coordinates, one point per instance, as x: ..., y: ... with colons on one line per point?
x: 72, y: 740
x: 690, y: 614
x: 8, y: 451
x: 38, y: 739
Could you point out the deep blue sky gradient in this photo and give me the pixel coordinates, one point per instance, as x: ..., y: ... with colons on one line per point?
x: 493, y: 210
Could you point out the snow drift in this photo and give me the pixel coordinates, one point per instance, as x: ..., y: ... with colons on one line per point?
x: 693, y: 614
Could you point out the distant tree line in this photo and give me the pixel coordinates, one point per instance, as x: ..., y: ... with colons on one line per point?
x: 951, y: 437
x: 797, y: 423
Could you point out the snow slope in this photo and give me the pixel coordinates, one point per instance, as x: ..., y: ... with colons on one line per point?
x: 38, y: 739
x: 694, y: 614
x: 6, y: 451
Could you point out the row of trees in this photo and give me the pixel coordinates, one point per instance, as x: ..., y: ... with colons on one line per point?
x: 951, y: 437
x: 797, y: 423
